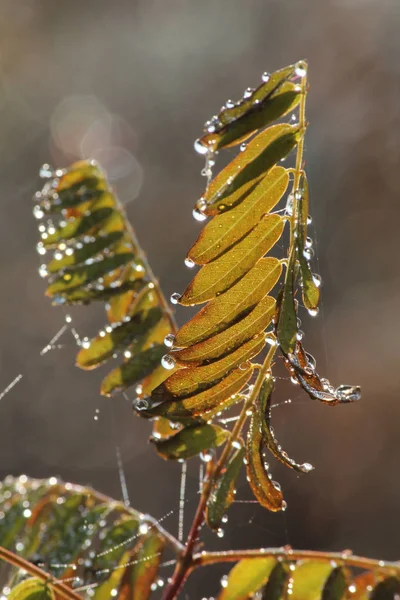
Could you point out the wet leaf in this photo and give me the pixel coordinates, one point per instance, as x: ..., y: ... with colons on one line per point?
x: 85, y: 274
x: 32, y: 588
x: 247, y: 577
x: 188, y: 381
x: 223, y: 311
x: 270, y: 101
x: 336, y: 586
x: 88, y: 294
x: 226, y: 229
x: 263, y: 406
x: 222, y: 495
x: 87, y: 251
x: 267, y: 492
x: 139, y: 577
x: 220, y: 274
x: 309, y: 579
x: 78, y: 226
x: 190, y: 441
x: 388, y: 589
x: 239, y: 178
x: 228, y: 340
x: 131, y: 372
x: 287, y: 320
x: 203, y: 402
x: 310, y: 291
x: 120, y: 337
x: 277, y: 584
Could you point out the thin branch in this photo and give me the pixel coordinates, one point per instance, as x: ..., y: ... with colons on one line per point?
x: 341, y: 558
x: 56, y: 585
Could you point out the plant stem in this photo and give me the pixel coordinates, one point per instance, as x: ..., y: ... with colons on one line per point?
x: 342, y: 558
x: 186, y: 563
x: 57, y: 586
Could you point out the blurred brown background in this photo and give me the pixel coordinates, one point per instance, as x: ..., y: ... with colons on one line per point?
x: 131, y: 83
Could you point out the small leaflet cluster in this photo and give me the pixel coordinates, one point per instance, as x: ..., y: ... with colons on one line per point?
x: 249, y: 297
x: 94, y: 256
x: 94, y: 544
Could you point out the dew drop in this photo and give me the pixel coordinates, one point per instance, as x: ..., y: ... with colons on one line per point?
x: 198, y: 215
x: 348, y: 393
x: 127, y: 354
x: 189, y: 263
x: 220, y: 533
x: 277, y: 486
x: 284, y: 505
x: 248, y: 92
x: 306, y: 467
x: 299, y: 335
x: 224, y: 519
x: 175, y: 298
x: 68, y: 318
x: 37, y: 212
x: 301, y: 69
x: 317, y: 280
x: 308, y: 253
x: 40, y: 249
x: 308, y: 243
x: 153, y: 586
x: 43, y: 271
x: 313, y: 312
x: 200, y: 148
x: 139, y: 389
x: 206, y: 456
x: 46, y: 171
x: 298, y: 194
x: 224, y: 581
x: 265, y: 76
x: 289, y: 205
x: 309, y: 220
x: 141, y: 404
x: 168, y: 362
x: 169, y: 340
x: 294, y: 381
x: 243, y: 147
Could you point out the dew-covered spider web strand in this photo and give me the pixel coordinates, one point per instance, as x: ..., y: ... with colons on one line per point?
x: 182, y: 493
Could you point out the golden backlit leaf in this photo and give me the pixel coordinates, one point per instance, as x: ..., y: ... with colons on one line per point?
x: 190, y: 441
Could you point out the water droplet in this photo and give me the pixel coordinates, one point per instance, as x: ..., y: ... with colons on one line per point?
x: 294, y: 381
x: 46, y: 171
x: 200, y: 148
x: 348, y: 393
x: 153, y: 586
x: 206, y: 456
x: 140, y: 404
x: 68, y: 318
x: 317, y: 280
x: 301, y: 69
x: 311, y: 362
x: 220, y: 533
x: 298, y: 194
x: 43, y: 271
x: 175, y: 298
x: 169, y: 340
x: 284, y: 505
x: 37, y: 212
x: 198, y: 215
x: 309, y: 220
x: 189, y: 263
x: 308, y: 253
x: 237, y: 445
x: 243, y: 147
x: 168, y: 362
x: 248, y: 92
x: 265, y: 76
x: 40, y: 249
x: 127, y: 354
x: 271, y: 340
x: 289, y: 205
x: 160, y: 582
x: 306, y: 467
x: 308, y: 243
x: 313, y: 312
x: 277, y: 486
x: 85, y: 343
x: 299, y: 335
x: 27, y: 513
x: 224, y: 581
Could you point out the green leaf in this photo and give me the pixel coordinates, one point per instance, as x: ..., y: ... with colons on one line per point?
x: 226, y: 229
x: 309, y: 579
x: 263, y: 407
x: 203, y: 402
x: 87, y: 251
x: 220, y: 274
x: 247, y: 577
x: 139, y: 577
x: 191, y: 380
x: 336, y: 586
x: 239, y: 178
x: 277, y: 584
x: 131, y: 372
x: 190, y: 441
x: 88, y: 294
x: 78, y: 226
x: 287, y: 320
x: 388, y: 589
x: 310, y: 291
x: 267, y: 492
x: 105, y: 345
x: 227, y: 308
x: 31, y: 589
x: 268, y: 102
x: 222, y: 495
x: 228, y: 340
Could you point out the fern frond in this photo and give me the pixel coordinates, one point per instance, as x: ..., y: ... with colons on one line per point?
x: 213, y: 353
x: 97, y: 257
x: 80, y: 537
